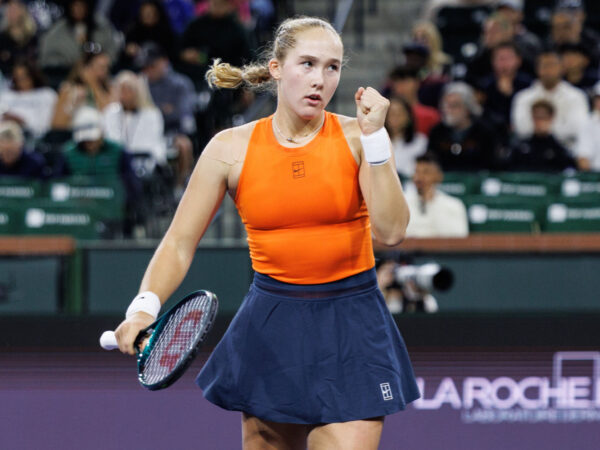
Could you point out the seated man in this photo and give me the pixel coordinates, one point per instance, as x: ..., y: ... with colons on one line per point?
x: 541, y: 152
x: 587, y: 151
x: 14, y: 160
x: 432, y: 212
x: 570, y: 103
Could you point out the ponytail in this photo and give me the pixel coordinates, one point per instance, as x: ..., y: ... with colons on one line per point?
x: 224, y: 75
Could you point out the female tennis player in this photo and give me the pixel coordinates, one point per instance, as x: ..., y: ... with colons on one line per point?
x: 313, y: 357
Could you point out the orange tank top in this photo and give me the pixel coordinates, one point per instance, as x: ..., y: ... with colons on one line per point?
x: 306, y: 219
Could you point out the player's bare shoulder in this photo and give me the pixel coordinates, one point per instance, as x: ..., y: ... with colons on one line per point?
x: 229, y: 146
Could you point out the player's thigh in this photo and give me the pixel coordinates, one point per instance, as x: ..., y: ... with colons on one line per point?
x: 354, y: 435
x: 258, y: 434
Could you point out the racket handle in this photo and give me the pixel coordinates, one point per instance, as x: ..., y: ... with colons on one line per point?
x: 108, y: 341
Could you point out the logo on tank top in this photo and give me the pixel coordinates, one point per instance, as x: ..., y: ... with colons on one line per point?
x: 386, y: 391
x: 298, y: 169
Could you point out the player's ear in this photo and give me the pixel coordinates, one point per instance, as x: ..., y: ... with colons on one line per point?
x: 275, y: 69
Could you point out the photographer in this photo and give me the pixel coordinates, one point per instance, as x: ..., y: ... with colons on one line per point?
x: 407, y: 288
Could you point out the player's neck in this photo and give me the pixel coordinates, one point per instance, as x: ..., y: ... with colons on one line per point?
x: 292, y: 128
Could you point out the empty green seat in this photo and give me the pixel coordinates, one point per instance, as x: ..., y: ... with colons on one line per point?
x: 9, y: 219
x: 19, y: 188
x: 461, y: 184
x: 107, y: 195
x: 585, y: 186
x: 502, y: 215
x: 574, y: 215
x: 43, y: 217
x: 520, y: 185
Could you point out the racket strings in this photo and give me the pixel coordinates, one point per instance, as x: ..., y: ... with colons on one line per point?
x: 178, y: 337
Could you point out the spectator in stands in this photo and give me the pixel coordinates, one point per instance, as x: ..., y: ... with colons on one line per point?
x: 496, y: 30
x: 587, y: 150
x: 18, y: 35
x: 28, y: 100
x: 133, y: 120
x: 407, y: 142
x: 528, y: 44
x: 567, y: 27
x: 78, y: 31
x: 87, y: 84
x: 416, y: 58
x: 430, y: 8
x: 576, y: 66
x: 433, y: 213
x: 14, y: 159
x: 541, y: 152
x: 570, y: 103
x: 174, y: 95
x: 426, y: 33
x: 404, y: 82
x: 152, y: 25
x: 462, y: 141
x: 180, y: 12
x: 500, y: 88
x: 171, y: 91
x: 90, y: 154
x: 216, y: 34
x: 242, y: 9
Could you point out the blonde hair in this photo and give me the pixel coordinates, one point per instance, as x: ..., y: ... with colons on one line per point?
x: 142, y: 92
x: 21, y: 30
x: 257, y: 75
x: 437, y: 58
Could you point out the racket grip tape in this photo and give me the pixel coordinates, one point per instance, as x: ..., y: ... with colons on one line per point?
x: 108, y: 341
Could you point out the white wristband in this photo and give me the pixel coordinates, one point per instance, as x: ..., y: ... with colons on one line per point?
x: 147, y: 302
x: 377, y: 147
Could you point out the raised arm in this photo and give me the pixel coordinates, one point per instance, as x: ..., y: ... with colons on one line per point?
x: 174, y: 255
x: 378, y: 179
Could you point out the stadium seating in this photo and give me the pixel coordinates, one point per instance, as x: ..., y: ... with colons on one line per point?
x: 574, y: 215
x: 83, y: 207
x: 503, y: 215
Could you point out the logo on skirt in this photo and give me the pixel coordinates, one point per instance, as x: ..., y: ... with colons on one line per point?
x: 386, y: 391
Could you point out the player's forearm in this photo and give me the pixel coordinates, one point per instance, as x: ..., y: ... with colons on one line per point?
x: 167, y: 268
x: 388, y: 209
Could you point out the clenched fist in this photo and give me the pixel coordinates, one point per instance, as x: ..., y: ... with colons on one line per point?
x: 371, y: 109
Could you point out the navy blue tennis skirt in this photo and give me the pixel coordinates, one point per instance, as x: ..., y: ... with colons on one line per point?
x: 311, y: 354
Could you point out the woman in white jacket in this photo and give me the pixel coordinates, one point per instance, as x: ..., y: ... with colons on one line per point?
x: 133, y: 120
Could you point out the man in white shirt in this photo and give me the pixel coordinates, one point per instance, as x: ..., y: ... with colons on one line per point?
x: 572, y: 110
x: 587, y: 151
x: 432, y: 212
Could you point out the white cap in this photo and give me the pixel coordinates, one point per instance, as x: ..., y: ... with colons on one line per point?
x: 87, y: 124
x: 11, y: 131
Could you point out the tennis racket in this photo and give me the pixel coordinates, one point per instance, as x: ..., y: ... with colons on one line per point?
x: 173, y: 340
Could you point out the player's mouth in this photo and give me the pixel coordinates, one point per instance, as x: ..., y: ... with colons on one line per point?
x: 313, y: 99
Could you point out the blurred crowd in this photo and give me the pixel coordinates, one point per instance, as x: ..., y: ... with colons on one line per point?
x: 479, y: 91
x: 107, y: 88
